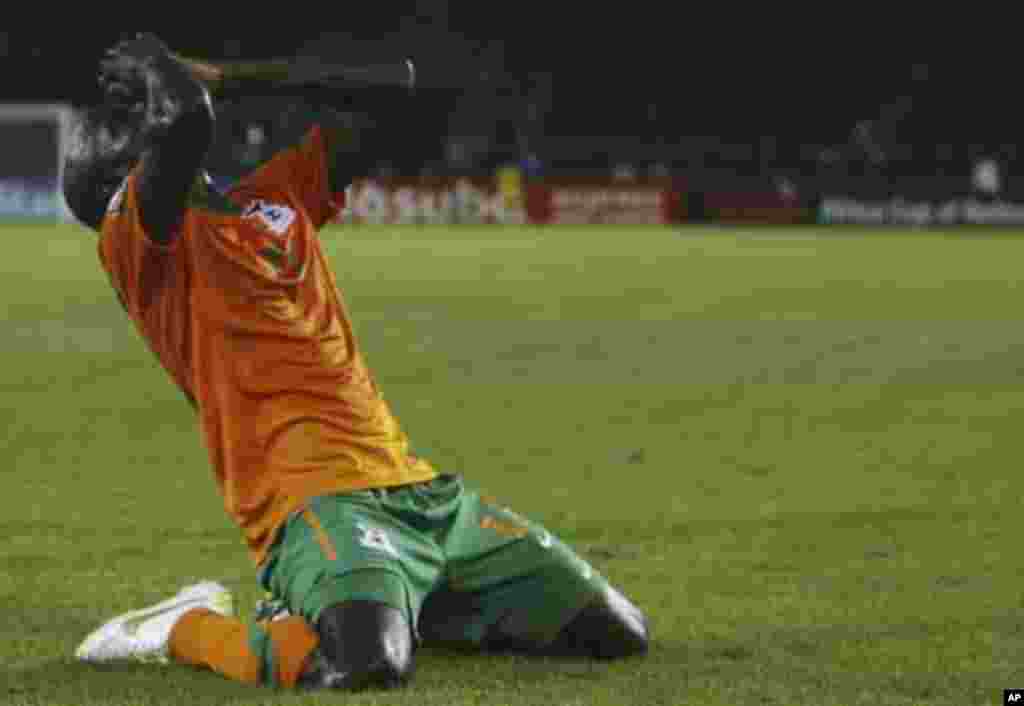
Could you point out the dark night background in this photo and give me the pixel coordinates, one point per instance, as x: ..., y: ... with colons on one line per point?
x: 740, y: 97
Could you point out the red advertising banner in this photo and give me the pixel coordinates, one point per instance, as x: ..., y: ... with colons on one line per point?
x: 605, y: 200
x: 756, y: 207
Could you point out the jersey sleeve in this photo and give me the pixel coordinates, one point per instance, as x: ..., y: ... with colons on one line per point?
x: 137, y: 265
x: 301, y: 170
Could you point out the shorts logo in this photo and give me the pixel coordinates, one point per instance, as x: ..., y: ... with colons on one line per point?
x: 376, y: 539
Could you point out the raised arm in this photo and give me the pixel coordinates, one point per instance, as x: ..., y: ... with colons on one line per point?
x: 177, y: 128
x: 292, y: 77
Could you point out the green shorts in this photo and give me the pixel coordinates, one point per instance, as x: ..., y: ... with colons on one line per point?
x: 460, y: 568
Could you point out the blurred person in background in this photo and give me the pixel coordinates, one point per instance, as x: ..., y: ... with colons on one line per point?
x: 250, y: 151
x: 986, y: 178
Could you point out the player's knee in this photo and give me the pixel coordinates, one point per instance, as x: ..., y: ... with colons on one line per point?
x: 610, y: 628
x: 365, y: 644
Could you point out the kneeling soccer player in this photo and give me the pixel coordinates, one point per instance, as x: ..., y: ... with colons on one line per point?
x: 367, y: 549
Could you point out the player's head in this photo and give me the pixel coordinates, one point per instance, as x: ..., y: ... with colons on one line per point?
x: 104, y: 143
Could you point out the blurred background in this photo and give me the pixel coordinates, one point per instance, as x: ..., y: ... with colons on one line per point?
x: 797, y: 444
x: 723, y: 105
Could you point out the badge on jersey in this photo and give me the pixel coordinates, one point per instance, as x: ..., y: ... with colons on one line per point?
x: 274, y: 217
x: 275, y: 246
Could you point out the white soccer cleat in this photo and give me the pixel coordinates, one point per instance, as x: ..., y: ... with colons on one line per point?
x: 143, y: 635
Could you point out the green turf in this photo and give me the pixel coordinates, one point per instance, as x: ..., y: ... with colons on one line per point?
x: 797, y: 449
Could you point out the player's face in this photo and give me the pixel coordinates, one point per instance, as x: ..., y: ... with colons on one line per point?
x: 103, y: 151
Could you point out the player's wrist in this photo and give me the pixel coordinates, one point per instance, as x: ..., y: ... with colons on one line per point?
x: 210, y: 75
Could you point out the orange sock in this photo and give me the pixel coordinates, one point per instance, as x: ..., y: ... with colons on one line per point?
x: 273, y: 653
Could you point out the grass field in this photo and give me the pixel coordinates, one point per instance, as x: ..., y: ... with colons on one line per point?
x: 797, y: 449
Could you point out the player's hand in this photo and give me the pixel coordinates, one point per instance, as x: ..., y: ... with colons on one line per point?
x: 124, y: 70
x: 144, y: 50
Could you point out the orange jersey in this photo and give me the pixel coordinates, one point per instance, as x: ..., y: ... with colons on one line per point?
x: 242, y: 311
